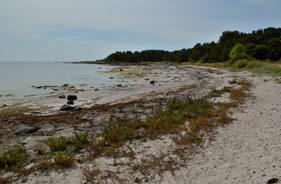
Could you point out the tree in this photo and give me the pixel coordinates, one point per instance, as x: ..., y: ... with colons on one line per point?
x: 274, y: 49
x: 237, y: 50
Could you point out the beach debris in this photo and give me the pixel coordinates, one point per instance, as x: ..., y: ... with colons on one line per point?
x: 72, y: 97
x: 15, y: 122
x: 62, y: 96
x: 119, y: 85
x: 96, y: 89
x: 111, y: 78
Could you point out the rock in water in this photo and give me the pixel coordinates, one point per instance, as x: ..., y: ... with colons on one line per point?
x: 71, y: 97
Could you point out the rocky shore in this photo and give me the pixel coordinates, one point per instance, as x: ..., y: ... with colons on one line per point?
x: 246, y: 151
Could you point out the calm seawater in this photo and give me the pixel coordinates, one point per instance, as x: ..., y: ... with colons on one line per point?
x: 17, y: 77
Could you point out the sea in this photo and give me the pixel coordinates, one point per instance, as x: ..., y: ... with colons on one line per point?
x: 18, y: 77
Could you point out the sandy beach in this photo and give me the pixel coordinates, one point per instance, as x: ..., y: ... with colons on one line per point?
x: 248, y: 150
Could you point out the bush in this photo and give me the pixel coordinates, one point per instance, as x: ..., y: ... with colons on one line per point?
x: 237, y: 50
x: 59, y: 144
x: 14, y: 157
x: 79, y: 140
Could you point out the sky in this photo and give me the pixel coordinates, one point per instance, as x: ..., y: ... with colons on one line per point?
x: 87, y: 30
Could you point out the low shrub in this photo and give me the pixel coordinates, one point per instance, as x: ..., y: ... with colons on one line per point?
x: 63, y: 159
x: 79, y: 140
x: 14, y: 157
x: 90, y: 175
x: 58, y: 144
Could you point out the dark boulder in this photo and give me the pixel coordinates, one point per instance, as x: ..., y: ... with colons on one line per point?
x: 273, y: 180
x: 70, y: 102
x: 71, y: 97
x: 66, y: 108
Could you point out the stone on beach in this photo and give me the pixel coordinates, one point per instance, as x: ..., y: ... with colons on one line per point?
x: 62, y: 96
x: 15, y: 122
x: 66, y: 108
x: 24, y: 130
x: 70, y: 102
x: 71, y: 97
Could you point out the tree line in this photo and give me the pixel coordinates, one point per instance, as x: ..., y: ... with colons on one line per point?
x: 261, y: 44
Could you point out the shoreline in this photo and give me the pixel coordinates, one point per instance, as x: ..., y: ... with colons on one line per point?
x: 245, y: 151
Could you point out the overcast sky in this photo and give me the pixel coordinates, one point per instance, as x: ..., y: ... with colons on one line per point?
x: 72, y: 30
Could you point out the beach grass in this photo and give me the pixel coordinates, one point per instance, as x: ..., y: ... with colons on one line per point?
x: 253, y: 66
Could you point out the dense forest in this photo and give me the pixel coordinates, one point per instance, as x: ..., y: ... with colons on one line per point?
x: 263, y: 44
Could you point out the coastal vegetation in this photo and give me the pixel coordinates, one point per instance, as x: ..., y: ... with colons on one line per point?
x: 263, y: 44
x: 190, y: 121
x: 258, y: 52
